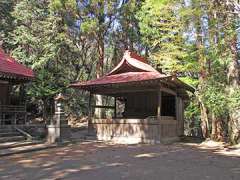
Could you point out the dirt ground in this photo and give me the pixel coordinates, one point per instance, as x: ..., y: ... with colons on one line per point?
x: 91, y: 160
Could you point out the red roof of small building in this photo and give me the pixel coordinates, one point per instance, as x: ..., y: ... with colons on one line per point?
x: 122, y: 78
x: 132, y: 68
x: 11, y: 68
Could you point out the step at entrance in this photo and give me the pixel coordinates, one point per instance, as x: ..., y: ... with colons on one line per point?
x: 9, y: 134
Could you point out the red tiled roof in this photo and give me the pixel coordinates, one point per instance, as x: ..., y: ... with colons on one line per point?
x: 11, y: 68
x: 132, y: 68
x: 121, y: 78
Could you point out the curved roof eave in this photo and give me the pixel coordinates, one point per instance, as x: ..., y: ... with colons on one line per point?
x: 132, y: 62
x: 9, y: 67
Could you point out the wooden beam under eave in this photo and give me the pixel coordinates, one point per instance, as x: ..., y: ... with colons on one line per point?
x: 3, y: 82
x: 168, y: 83
x: 15, y: 80
x: 126, y: 84
x: 169, y: 91
x: 115, y: 92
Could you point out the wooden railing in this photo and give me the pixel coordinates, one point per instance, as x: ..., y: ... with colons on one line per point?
x: 150, y: 129
x: 11, y: 114
x: 12, y: 108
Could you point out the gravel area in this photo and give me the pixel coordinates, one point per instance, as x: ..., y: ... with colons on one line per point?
x: 100, y: 161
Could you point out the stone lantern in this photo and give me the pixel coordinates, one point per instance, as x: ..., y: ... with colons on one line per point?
x: 59, y: 129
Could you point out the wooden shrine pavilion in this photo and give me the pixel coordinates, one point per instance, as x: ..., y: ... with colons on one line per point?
x: 12, y: 73
x: 148, y: 105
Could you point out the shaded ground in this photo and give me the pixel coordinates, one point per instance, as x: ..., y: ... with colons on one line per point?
x: 87, y: 161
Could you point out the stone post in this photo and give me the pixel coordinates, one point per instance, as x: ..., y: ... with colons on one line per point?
x: 59, y: 129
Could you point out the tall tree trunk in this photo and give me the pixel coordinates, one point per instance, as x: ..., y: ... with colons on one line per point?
x: 204, y: 120
x: 217, y: 129
x: 99, y: 72
x: 203, y: 72
x: 214, y: 128
x: 100, y: 46
x: 204, y: 111
x: 234, y: 85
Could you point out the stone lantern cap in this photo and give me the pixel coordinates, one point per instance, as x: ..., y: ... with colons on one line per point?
x: 60, y: 97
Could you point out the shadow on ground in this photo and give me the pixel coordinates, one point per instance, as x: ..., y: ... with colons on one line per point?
x: 101, y: 161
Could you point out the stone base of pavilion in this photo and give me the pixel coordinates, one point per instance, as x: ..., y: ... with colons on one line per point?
x: 134, y: 131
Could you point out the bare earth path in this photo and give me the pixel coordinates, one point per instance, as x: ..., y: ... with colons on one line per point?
x: 90, y: 161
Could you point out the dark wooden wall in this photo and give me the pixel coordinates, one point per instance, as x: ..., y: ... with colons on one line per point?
x: 144, y: 104
x: 141, y: 105
x: 4, y: 93
x: 168, y: 105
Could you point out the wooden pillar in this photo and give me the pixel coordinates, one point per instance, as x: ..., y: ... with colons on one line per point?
x: 0, y: 113
x: 25, y: 113
x: 90, y: 125
x: 176, y: 107
x: 159, y: 105
x: 115, y: 107
x: 177, y: 117
x: 180, y: 116
x: 9, y: 90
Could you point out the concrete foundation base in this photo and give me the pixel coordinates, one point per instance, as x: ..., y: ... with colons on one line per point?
x: 58, y: 133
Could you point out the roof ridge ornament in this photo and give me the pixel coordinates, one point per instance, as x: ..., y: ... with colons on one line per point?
x: 133, y: 55
x: 127, y: 53
x: 132, y: 62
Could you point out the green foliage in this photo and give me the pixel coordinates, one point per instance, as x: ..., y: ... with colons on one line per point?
x: 57, y: 5
x: 192, y: 111
x: 192, y: 118
x: 215, y: 99
x: 161, y: 30
x: 42, y: 42
x: 234, y: 100
x: 189, y: 80
x: 89, y: 26
x: 6, y: 21
x: 128, y: 32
